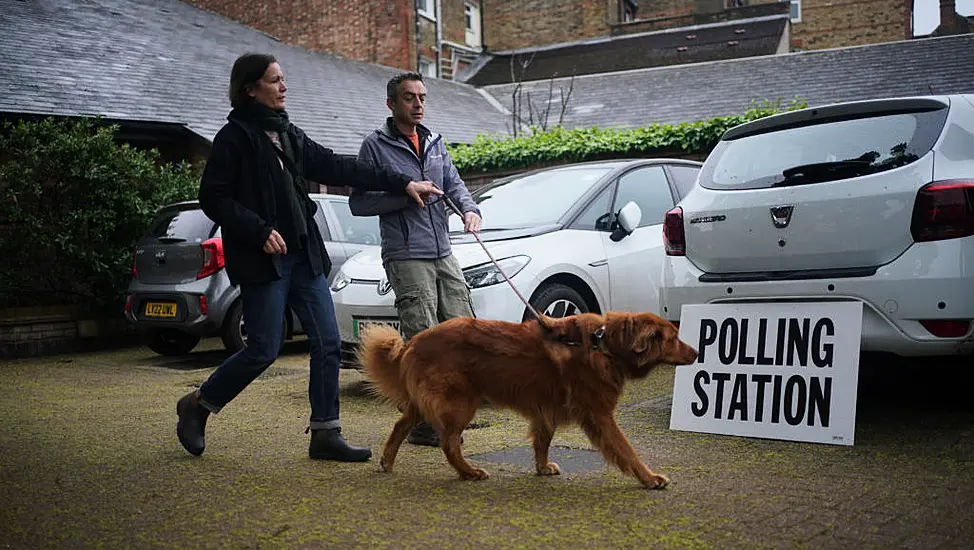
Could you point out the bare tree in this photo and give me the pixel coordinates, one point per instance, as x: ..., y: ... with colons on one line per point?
x: 524, y: 114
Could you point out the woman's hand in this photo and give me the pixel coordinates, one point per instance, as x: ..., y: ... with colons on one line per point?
x: 275, y: 243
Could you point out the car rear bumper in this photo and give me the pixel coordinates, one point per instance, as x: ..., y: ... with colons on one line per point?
x: 189, y: 316
x: 929, y: 281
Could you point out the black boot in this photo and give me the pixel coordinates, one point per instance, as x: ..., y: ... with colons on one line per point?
x: 191, y: 427
x: 424, y: 434
x: 330, y: 445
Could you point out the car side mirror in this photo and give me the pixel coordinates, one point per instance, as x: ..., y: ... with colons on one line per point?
x: 628, y: 220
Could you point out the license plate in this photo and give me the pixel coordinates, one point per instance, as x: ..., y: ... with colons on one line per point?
x: 160, y: 309
x: 360, y: 326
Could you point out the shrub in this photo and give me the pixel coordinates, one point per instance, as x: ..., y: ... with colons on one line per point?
x: 560, y: 145
x: 73, y: 202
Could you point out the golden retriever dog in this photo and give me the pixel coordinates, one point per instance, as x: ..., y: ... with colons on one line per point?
x: 563, y: 371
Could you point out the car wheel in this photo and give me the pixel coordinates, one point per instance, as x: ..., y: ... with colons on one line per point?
x: 172, y: 342
x: 234, y: 333
x: 556, y: 300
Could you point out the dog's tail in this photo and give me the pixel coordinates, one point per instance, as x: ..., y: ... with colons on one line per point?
x: 380, y: 353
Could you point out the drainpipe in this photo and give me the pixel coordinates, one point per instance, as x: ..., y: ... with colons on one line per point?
x: 439, y: 40
x: 419, y: 52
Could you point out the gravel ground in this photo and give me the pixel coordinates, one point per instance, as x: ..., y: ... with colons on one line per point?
x: 89, y: 458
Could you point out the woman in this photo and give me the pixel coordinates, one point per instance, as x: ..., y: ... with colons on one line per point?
x: 255, y: 186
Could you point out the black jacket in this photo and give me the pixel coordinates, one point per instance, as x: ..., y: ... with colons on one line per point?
x: 237, y: 192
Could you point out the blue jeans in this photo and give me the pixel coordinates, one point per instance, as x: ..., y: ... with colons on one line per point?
x: 263, y: 311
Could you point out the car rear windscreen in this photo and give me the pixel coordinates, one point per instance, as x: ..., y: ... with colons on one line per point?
x: 826, y: 150
x: 187, y: 224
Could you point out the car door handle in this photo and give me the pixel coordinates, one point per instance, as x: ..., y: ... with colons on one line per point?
x: 599, y: 263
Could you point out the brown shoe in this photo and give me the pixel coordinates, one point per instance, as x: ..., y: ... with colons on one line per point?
x: 191, y: 427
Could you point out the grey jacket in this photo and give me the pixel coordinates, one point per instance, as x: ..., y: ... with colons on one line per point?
x: 411, y: 232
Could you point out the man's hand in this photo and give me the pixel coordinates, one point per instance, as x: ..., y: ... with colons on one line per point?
x: 471, y: 222
x: 275, y: 244
x: 419, y: 190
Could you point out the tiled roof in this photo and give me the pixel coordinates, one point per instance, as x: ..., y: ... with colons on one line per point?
x: 168, y: 61
x: 723, y: 40
x: 699, y: 91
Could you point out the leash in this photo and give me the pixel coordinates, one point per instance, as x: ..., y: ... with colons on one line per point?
x: 596, y: 336
x: 450, y: 203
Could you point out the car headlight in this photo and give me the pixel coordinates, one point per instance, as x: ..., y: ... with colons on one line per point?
x: 486, y: 274
x: 341, y: 281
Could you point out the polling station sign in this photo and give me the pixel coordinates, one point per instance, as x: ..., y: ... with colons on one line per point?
x: 770, y: 370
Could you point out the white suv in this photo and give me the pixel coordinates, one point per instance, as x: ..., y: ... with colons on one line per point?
x: 869, y: 201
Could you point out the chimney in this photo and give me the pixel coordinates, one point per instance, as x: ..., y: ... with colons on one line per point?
x: 951, y: 22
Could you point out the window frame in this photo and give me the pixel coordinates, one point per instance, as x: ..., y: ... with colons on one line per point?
x: 797, y: 18
x: 427, y: 9
x: 475, y: 30
x: 617, y: 183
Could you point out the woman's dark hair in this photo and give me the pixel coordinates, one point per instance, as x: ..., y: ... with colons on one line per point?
x: 247, y: 70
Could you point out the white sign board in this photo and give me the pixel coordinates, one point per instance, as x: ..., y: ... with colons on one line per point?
x: 770, y: 370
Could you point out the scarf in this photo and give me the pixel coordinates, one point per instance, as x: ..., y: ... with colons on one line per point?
x: 293, y: 220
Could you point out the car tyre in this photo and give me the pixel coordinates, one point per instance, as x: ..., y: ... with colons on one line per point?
x: 234, y: 333
x: 557, y: 300
x: 172, y: 342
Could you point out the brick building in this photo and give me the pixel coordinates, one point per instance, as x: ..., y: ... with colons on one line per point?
x: 443, y: 37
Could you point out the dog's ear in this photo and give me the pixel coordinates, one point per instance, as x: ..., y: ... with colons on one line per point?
x: 646, y: 335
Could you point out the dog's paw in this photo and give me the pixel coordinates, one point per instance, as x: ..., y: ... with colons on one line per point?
x: 476, y: 474
x: 656, y: 481
x: 549, y: 469
x: 384, y: 465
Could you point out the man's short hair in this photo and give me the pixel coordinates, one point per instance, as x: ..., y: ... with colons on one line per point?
x: 392, y: 88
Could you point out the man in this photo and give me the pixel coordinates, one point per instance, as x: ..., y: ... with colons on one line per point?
x: 255, y: 186
x: 416, y: 251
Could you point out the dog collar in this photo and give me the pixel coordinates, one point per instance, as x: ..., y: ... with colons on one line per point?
x: 597, y: 337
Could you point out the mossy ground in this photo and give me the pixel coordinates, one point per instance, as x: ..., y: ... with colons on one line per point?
x: 89, y: 458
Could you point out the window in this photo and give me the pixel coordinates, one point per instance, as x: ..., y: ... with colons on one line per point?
x: 551, y: 193
x: 426, y: 8
x: 181, y: 223
x: 427, y: 67
x: 355, y: 229
x: 628, y: 10
x: 595, y: 214
x: 649, y: 189
x: 844, y: 148
x: 472, y: 16
x: 796, y: 11
x: 684, y: 176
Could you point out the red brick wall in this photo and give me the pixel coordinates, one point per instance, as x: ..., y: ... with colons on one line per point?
x: 839, y: 23
x: 453, y: 22
x: 510, y: 24
x: 377, y: 32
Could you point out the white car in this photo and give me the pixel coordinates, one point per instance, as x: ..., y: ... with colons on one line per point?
x: 556, y: 233
x: 869, y: 201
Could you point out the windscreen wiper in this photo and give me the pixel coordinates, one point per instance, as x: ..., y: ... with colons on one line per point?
x: 824, y: 171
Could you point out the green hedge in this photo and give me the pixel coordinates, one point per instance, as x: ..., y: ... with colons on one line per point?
x: 559, y: 145
x: 73, y: 202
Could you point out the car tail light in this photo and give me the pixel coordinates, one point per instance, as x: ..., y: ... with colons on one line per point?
x: 135, y: 267
x: 943, y: 210
x: 203, y: 305
x: 946, y: 328
x: 128, y: 304
x: 674, y: 238
x: 212, y: 257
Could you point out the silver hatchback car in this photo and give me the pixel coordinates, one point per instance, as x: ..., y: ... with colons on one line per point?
x: 180, y: 292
